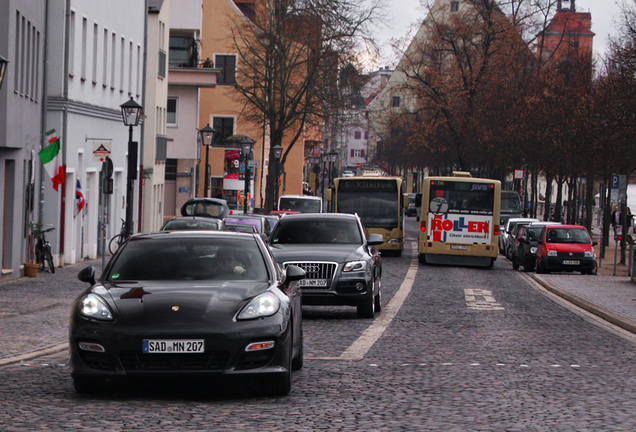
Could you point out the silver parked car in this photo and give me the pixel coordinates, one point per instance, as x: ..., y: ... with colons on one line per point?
x: 506, y: 231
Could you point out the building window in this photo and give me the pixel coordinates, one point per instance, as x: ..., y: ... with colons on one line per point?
x: 396, y: 101
x: 227, y: 64
x: 454, y: 6
x: 71, y: 46
x: 105, y: 65
x: 224, y: 127
x: 112, y: 61
x: 574, y: 44
x: 357, y: 153
x: 178, y: 50
x: 357, y: 134
x: 171, y: 116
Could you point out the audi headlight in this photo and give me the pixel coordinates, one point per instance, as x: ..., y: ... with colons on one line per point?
x: 355, y: 266
x: 263, y: 305
x: 552, y: 253
x: 93, y: 306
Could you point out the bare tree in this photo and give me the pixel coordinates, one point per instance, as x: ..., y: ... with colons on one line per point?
x: 290, y: 53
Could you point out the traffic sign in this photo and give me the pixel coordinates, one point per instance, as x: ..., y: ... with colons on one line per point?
x: 252, y: 163
x: 518, y: 174
x: 615, y: 181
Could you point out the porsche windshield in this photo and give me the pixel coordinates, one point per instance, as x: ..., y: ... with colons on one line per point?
x: 189, y: 258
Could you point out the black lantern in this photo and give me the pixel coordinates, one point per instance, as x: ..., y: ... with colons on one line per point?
x: 130, y: 112
x: 207, y: 138
x: 3, y: 68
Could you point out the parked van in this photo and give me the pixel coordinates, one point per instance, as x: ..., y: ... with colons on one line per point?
x: 300, y: 203
x: 511, y: 206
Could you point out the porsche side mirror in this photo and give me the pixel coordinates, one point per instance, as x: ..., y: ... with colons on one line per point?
x: 294, y: 273
x: 87, y: 274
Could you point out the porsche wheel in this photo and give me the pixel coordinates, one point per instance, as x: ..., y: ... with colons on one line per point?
x: 280, y: 385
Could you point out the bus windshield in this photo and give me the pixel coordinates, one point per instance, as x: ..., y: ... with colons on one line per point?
x: 461, y: 198
x: 375, y: 201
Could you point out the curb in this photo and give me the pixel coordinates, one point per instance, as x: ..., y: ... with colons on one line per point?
x: 611, y: 317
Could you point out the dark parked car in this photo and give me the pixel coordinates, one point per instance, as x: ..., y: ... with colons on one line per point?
x: 565, y: 248
x: 524, y: 245
x: 193, y: 223
x: 262, y: 223
x: 343, y: 267
x: 206, y: 207
x: 506, y: 231
x: 188, y: 303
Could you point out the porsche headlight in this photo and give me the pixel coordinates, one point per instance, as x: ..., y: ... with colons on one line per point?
x: 354, y: 266
x: 93, y: 306
x: 263, y: 305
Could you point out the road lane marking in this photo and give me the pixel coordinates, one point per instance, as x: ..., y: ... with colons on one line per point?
x: 369, y: 337
x: 481, y: 299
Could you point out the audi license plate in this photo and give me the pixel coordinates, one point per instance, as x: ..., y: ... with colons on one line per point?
x: 172, y: 346
x: 312, y: 283
x: 571, y: 262
x: 458, y: 247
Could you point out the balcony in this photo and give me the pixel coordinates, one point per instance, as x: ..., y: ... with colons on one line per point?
x: 201, y: 74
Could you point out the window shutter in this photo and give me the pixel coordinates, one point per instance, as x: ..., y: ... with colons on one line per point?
x: 361, y: 153
x: 352, y: 152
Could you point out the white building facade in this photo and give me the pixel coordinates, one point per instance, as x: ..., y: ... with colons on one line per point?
x: 95, y: 53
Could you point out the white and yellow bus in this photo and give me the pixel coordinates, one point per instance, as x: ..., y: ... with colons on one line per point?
x: 379, y: 202
x: 459, y: 222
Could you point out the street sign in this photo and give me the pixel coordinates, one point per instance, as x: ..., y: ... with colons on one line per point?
x: 252, y: 163
x: 614, y: 181
x: 519, y: 174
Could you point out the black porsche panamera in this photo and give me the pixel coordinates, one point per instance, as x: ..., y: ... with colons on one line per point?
x: 188, y: 303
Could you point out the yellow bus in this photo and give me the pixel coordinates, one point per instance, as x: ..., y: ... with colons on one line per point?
x: 378, y: 201
x: 459, y: 221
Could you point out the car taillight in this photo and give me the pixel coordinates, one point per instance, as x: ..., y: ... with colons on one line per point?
x: 496, y: 229
x: 422, y: 226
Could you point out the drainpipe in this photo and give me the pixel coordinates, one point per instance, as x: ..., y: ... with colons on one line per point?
x: 143, y: 124
x: 64, y: 131
x: 44, y: 112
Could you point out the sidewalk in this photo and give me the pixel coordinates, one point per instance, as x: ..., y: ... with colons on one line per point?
x: 34, y: 311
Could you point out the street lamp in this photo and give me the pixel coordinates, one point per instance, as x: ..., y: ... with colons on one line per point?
x: 207, y: 138
x: 130, y: 111
x: 3, y: 68
x: 333, y: 158
x: 278, y: 151
x: 246, y: 149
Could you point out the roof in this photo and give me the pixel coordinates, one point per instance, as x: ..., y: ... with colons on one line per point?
x: 570, y: 23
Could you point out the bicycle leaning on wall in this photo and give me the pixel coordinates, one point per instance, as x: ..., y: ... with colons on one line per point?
x: 43, y: 254
x: 117, y: 239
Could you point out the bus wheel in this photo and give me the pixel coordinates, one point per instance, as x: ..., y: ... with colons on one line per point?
x: 422, y: 258
x: 492, y: 263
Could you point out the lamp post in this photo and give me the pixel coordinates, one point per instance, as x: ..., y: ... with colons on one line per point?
x: 246, y: 149
x: 131, y: 112
x: 278, y: 150
x: 333, y: 158
x: 3, y: 68
x: 207, y: 138
x: 324, y: 158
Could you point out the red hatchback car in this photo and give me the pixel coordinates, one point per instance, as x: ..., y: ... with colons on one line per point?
x: 566, y: 248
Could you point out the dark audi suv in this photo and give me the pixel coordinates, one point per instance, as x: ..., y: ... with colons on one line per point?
x: 342, y: 265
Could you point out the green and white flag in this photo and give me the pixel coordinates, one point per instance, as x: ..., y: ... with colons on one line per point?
x: 51, y: 158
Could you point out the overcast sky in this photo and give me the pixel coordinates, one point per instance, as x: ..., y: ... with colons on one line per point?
x: 406, y: 13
